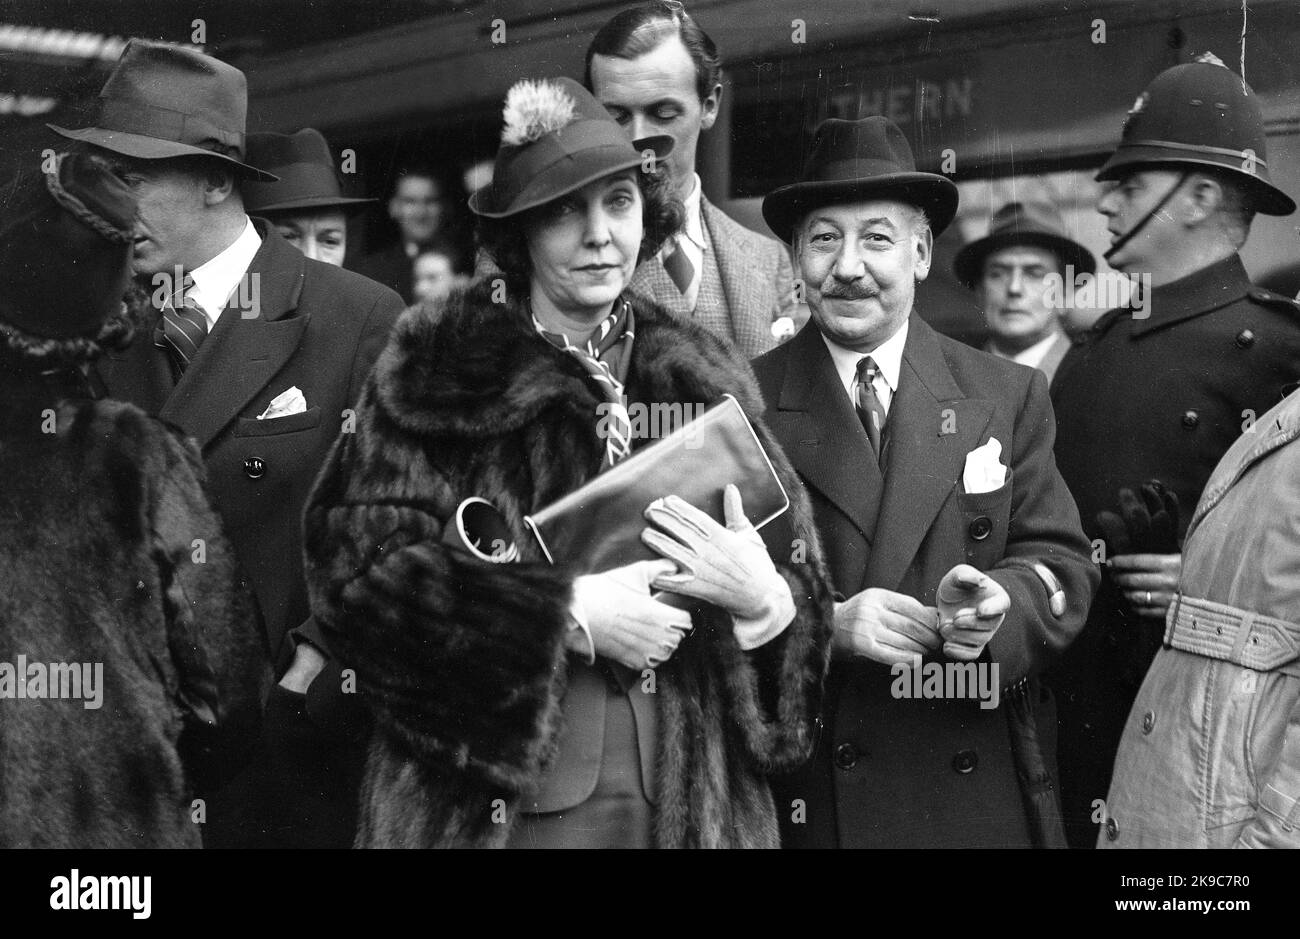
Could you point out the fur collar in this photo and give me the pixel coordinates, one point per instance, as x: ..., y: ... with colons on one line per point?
x: 477, y: 368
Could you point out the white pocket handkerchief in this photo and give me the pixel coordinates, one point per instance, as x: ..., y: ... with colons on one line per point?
x: 285, y: 403
x: 984, y: 472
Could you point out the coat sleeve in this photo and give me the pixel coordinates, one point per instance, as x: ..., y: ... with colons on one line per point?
x: 786, y: 304
x: 461, y: 662
x: 379, y: 321
x: 1044, y: 530
x: 214, y: 634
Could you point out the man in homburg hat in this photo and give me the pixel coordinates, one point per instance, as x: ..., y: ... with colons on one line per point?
x: 258, y: 353
x: 1011, y: 270
x: 953, y: 543
x: 1152, y: 399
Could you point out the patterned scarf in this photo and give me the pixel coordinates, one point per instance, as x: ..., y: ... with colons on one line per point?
x: 606, y: 357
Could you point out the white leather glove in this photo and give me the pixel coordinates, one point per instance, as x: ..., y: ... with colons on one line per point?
x: 728, y: 567
x: 886, y: 626
x: 621, y: 620
x: 971, y: 606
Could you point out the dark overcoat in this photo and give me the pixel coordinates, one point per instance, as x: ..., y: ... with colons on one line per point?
x: 318, y: 328
x: 903, y: 772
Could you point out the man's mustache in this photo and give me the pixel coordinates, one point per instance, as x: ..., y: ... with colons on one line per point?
x: 853, y: 290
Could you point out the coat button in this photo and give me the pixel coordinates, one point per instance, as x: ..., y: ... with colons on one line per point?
x: 965, y: 761
x: 1191, y: 419
x: 1112, y: 829
x: 980, y: 528
x: 846, y: 756
x: 254, y: 468
x: 1245, y: 339
x: 1148, y: 721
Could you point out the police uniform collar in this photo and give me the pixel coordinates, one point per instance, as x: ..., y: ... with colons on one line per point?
x: 1210, y: 288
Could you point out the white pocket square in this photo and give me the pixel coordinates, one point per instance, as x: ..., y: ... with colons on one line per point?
x: 285, y: 403
x: 984, y: 472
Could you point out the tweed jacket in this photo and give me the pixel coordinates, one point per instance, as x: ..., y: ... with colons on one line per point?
x: 748, y: 285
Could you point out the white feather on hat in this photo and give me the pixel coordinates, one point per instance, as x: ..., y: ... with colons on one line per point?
x: 533, y: 109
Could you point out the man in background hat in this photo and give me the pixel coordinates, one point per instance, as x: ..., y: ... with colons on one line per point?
x: 420, y: 208
x: 258, y: 353
x: 306, y: 204
x: 1011, y: 271
x: 657, y: 72
x: 952, y: 541
x: 1156, y: 398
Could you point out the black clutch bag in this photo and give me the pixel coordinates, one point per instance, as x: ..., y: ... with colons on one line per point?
x: 598, y: 526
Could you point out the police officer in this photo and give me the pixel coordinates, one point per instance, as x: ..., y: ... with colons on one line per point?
x: 1161, y: 390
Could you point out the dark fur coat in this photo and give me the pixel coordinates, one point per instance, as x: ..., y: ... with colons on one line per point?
x: 463, y: 663
x: 112, y: 556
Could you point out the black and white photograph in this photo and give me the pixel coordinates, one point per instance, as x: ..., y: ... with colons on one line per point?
x: 810, y: 425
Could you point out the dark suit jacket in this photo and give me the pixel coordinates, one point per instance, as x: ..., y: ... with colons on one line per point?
x: 319, y: 328
x: 926, y: 773
x: 757, y: 284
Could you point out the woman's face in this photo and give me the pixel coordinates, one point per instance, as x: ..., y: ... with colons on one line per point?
x: 584, y: 246
x: 321, y: 235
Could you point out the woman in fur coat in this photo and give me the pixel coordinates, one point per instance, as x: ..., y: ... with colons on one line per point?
x: 517, y: 704
x: 132, y: 662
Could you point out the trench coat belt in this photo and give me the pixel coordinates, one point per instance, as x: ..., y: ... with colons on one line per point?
x: 1242, y: 637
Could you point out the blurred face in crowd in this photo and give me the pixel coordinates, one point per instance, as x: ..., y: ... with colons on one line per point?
x: 1125, y: 202
x: 583, y: 249
x: 860, y: 263
x: 1012, y: 292
x: 416, y: 207
x: 321, y: 235
x: 434, y: 277
x: 173, y: 226
x: 656, y: 93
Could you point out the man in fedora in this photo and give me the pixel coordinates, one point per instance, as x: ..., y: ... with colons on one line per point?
x: 306, y: 205
x: 1162, y: 395
x: 953, y: 543
x: 258, y: 353
x: 658, y: 72
x: 1011, y: 270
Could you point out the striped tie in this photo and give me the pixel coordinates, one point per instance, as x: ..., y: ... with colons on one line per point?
x: 870, y: 409
x: 182, y: 330
x: 679, y: 267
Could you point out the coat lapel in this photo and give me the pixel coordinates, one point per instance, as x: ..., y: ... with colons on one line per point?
x: 139, y: 373
x: 738, y: 281
x: 243, y: 352
x: 819, y: 431
x: 931, y: 427
x: 1055, y: 353
x: 1276, y: 428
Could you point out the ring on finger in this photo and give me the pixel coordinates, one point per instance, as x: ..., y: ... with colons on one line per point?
x: 1148, y: 598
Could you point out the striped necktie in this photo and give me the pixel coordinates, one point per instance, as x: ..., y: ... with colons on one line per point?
x: 679, y: 267
x: 182, y: 330
x: 870, y: 409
